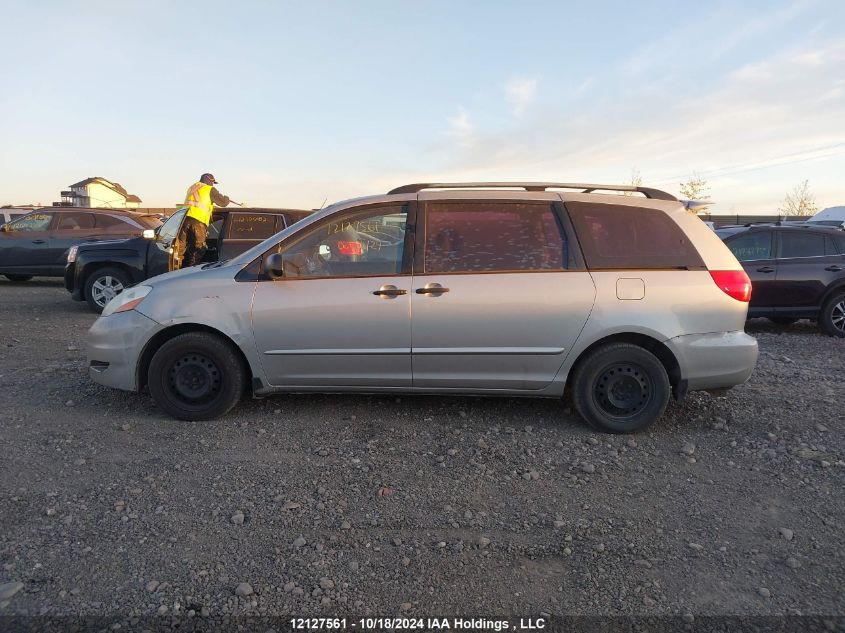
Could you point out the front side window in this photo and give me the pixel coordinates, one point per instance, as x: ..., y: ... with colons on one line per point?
x: 619, y: 236
x: 471, y: 237
x: 800, y: 244
x: 169, y: 229
x: 752, y: 246
x: 33, y: 222
x: 361, y: 243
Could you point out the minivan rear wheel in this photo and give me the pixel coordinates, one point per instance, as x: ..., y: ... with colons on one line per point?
x: 196, y: 376
x: 832, y: 316
x: 620, y: 388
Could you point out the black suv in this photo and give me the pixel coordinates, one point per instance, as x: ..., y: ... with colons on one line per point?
x: 97, y: 272
x: 797, y: 272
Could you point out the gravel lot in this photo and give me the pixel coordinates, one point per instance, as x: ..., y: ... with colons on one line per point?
x: 414, y: 506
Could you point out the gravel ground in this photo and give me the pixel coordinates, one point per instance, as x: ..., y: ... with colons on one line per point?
x: 413, y: 506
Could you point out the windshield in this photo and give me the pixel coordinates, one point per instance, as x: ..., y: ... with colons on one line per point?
x: 169, y: 229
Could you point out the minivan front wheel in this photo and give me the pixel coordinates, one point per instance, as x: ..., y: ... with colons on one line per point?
x: 620, y: 388
x: 832, y: 316
x: 196, y: 376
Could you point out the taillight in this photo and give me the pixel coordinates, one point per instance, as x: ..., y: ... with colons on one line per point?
x: 734, y: 283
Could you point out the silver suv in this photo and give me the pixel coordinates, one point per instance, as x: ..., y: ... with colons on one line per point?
x: 510, y: 289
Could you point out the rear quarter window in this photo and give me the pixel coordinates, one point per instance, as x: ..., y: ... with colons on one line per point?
x: 251, y: 226
x: 801, y: 244
x: 626, y: 237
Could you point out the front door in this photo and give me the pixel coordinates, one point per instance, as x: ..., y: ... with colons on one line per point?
x: 340, y: 314
x: 161, y: 253
x: 25, y: 244
x: 498, y: 303
x: 808, y: 263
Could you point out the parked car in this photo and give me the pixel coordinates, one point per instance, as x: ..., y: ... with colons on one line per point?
x: 97, y: 272
x: 470, y: 288
x: 831, y: 216
x: 38, y: 243
x: 797, y: 271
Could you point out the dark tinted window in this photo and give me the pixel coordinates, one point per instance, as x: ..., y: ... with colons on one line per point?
x: 622, y: 236
x: 839, y: 240
x: 104, y: 221
x: 493, y: 236
x: 801, y: 244
x: 251, y: 226
x: 752, y: 245
x: 831, y: 247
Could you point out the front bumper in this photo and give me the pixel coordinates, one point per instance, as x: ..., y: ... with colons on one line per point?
x: 71, y: 282
x: 718, y: 360
x: 114, y: 346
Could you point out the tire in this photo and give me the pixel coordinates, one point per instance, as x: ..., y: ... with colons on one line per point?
x: 196, y: 376
x: 832, y: 316
x: 103, y: 284
x: 784, y: 321
x: 18, y: 278
x: 620, y: 388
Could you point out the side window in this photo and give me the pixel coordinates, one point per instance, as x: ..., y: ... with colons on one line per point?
x: 168, y: 230
x: 801, y: 244
x: 75, y: 221
x: 628, y: 237
x: 251, y: 226
x: 840, y: 244
x: 362, y: 243
x: 493, y: 236
x: 33, y: 222
x: 831, y: 247
x: 112, y: 223
x: 752, y: 245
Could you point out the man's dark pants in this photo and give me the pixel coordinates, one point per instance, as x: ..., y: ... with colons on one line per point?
x: 191, y: 241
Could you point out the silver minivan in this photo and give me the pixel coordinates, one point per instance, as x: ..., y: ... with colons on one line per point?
x: 509, y: 289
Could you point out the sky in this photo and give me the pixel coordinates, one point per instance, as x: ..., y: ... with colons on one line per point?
x: 293, y: 104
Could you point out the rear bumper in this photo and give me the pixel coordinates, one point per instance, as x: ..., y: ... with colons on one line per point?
x: 114, y: 346
x: 715, y: 361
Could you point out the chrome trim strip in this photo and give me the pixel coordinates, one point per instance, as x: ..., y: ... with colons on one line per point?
x: 484, y: 351
x: 339, y: 352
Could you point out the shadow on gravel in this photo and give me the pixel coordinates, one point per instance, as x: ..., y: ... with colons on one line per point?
x: 804, y: 326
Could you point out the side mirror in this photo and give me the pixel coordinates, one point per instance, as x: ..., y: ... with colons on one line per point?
x: 149, y: 234
x: 274, y: 265
x: 5, y: 228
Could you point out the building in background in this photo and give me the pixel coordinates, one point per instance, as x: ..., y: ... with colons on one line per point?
x: 98, y: 192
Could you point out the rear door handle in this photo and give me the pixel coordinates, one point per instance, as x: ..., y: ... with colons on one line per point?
x: 389, y: 290
x: 39, y: 241
x: 834, y: 268
x: 766, y: 269
x: 432, y: 288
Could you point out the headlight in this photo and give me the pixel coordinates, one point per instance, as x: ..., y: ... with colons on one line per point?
x: 71, y: 254
x: 129, y: 299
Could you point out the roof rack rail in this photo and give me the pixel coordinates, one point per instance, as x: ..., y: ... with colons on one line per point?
x: 648, y: 192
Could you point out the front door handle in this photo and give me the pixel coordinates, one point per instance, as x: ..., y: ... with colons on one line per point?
x: 39, y: 241
x: 766, y: 269
x: 389, y: 290
x: 432, y: 288
x: 834, y: 268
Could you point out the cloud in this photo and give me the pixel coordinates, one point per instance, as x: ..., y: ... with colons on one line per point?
x: 773, y: 118
x: 520, y: 93
x: 462, y: 129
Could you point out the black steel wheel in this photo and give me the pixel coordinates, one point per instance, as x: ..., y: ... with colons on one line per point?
x: 196, y: 376
x: 832, y: 316
x: 620, y: 388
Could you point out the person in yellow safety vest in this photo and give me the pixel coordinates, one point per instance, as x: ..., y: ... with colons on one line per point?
x: 200, y: 200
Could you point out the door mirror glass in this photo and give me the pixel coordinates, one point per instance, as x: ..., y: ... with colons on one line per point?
x: 274, y: 265
x: 149, y: 234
